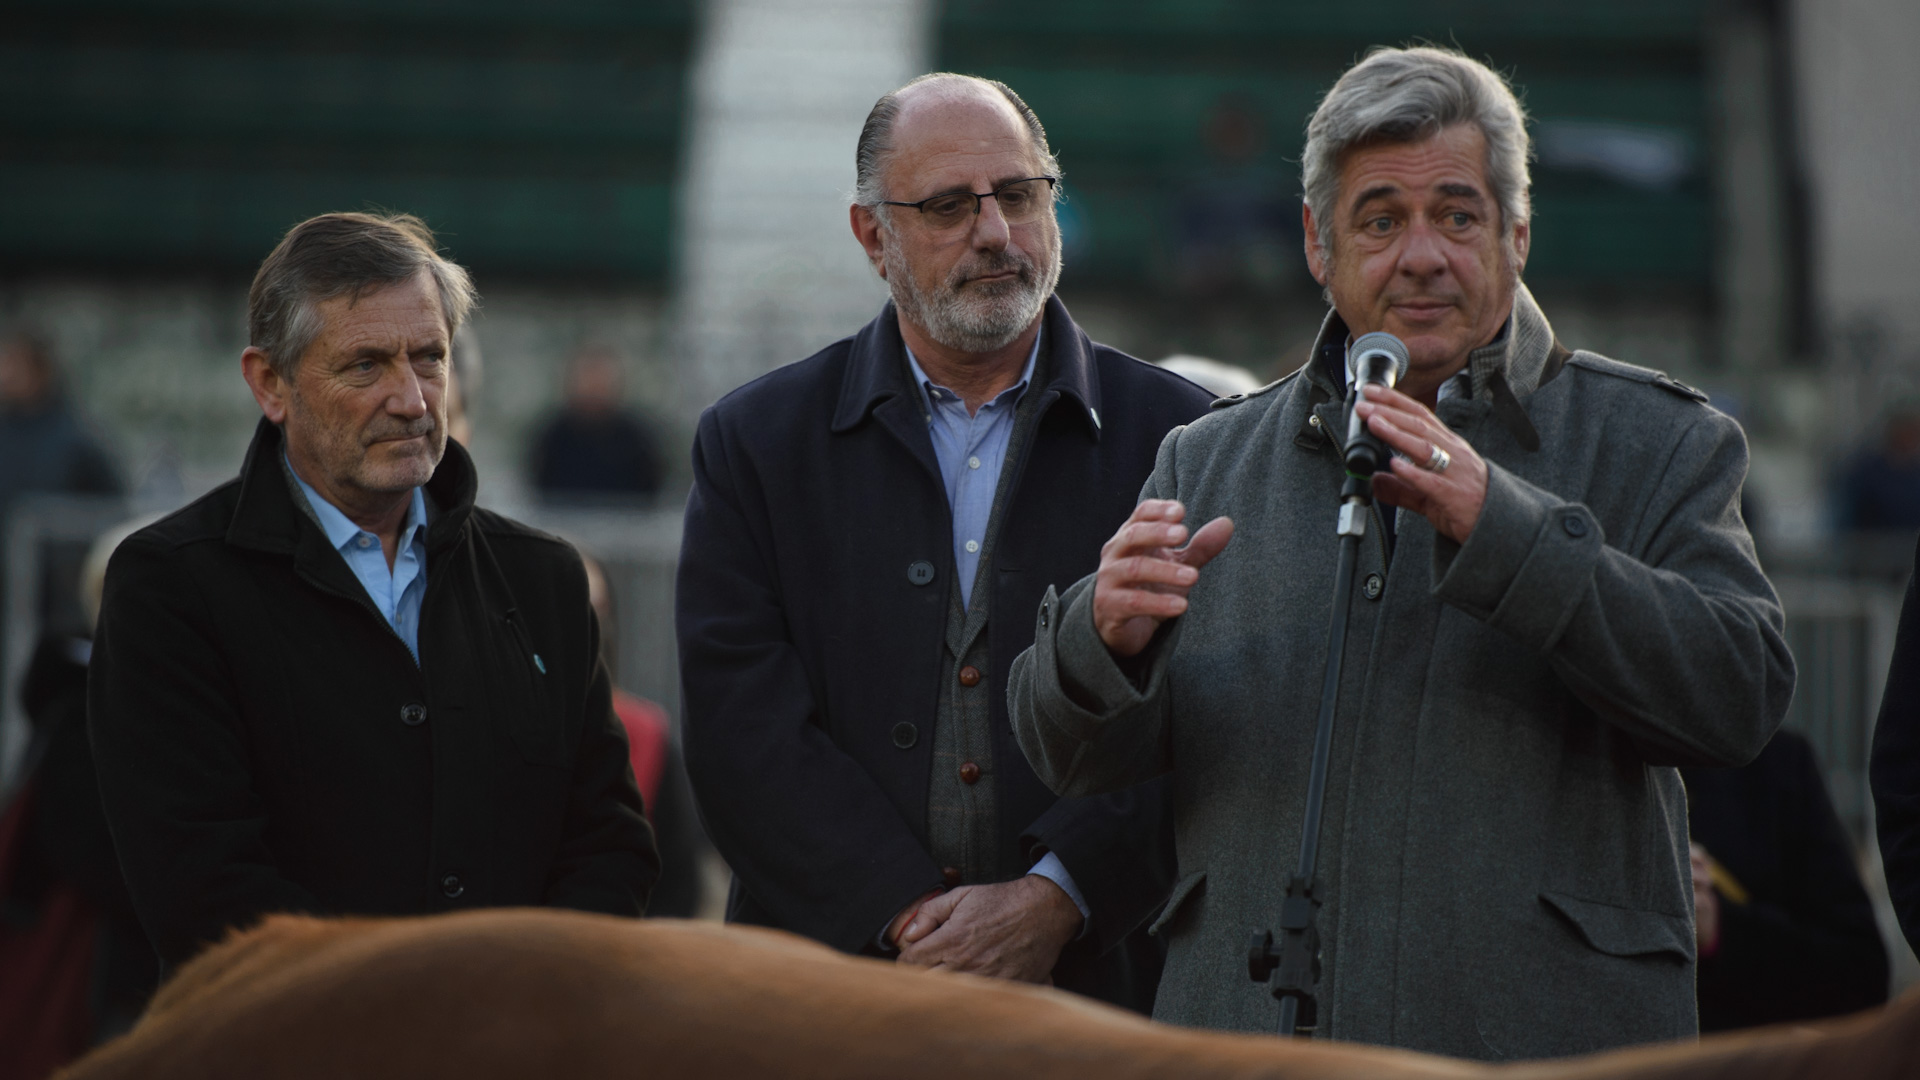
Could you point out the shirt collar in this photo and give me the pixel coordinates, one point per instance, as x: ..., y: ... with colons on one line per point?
x: 341, y: 530
x: 927, y: 386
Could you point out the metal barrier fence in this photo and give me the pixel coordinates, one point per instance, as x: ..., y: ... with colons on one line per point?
x: 1841, y: 631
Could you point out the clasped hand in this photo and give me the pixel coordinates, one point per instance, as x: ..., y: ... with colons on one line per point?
x: 1013, y: 930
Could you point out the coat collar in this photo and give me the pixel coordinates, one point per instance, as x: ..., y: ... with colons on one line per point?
x: 877, y: 367
x: 1519, y: 354
x: 266, y: 517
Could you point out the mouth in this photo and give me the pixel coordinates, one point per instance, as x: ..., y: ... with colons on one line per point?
x: 1420, y: 310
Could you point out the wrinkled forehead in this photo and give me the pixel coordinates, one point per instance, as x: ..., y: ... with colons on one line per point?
x: 390, y: 317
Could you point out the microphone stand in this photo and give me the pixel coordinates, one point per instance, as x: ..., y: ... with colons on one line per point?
x: 1295, y: 967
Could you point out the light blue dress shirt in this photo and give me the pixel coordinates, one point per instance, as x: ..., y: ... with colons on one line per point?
x: 971, y: 450
x: 395, y: 593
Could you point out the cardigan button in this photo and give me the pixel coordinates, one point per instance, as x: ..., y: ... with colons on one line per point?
x: 950, y: 877
x: 969, y: 676
x: 450, y: 887
x: 905, y: 735
x: 969, y: 774
x: 920, y: 572
x: 413, y: 715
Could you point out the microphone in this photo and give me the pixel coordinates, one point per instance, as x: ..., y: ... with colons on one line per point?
x: 1376, y: 359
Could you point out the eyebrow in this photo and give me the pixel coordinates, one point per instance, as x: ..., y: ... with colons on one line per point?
x: 1463, y: 191
x: 1379, y: 191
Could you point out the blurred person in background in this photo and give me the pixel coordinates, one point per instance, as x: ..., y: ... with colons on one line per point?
x: 75, y: 967
x: 334, y: 685
x: 44, y: 445
x: 1782, y: 920
x: 660, y: 770
x: 596, y: 449
x: 1235, y: 227
x: 867, y: 538
x: 1557, y: 603
x: 1879, y: 487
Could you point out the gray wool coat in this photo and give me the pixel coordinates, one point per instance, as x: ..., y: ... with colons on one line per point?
x: 1504, y: 854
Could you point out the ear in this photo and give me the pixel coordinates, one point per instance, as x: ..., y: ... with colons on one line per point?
x: 868, y: 230
x: 1316, y: 258
x: 1522, y: 240
x: 269, y: 389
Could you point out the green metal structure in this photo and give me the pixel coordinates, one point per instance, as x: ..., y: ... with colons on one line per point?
x: 1130, y: 90
x: 188, y: 135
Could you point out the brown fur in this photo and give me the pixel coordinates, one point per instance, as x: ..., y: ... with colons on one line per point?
x: 541, y: 993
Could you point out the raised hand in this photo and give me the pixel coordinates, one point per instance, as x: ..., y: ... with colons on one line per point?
x: 1145, y: 574
x: 1450, y: 496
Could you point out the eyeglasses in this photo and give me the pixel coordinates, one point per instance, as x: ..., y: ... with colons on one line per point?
x: 1020, y: 202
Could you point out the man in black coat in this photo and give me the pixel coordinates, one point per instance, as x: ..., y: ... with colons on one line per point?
x: 1783, y: 923
x: 1894, y: 769
x: 334, y: 685
x: 854, y: 519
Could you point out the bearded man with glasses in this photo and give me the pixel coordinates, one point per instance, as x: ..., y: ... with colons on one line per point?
x: 869, y: 533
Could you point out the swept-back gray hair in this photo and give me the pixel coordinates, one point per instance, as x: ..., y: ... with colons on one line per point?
x: 1406, y: 95
x: 876, y: 136
x: 344, y: 255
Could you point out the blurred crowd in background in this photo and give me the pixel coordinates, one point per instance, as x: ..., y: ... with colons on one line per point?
x: 652, y: 200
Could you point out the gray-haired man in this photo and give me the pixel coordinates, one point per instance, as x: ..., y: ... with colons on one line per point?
x: 1564, y: 606
x: 334, y: 685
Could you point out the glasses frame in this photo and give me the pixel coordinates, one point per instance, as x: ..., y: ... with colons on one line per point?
x: 1053, y: 185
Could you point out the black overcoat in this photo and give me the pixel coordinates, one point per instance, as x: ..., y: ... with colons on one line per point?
x: 811, y: 649
x: 1895, y: 766
x: 265, y: 741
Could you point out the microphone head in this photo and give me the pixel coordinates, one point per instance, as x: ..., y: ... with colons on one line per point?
x: 1364, y: 359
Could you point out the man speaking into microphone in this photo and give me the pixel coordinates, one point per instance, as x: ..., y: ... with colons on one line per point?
x: 1556, y: 603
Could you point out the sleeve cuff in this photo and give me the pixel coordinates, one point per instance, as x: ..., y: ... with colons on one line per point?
x: 1051, y: 868
x: 1527, y: 563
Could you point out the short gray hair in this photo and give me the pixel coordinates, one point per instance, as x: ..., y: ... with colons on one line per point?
x: 1406, y: 95
x: 343, y: 255
x: 876, y: 136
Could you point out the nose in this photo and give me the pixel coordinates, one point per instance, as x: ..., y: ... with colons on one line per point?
x: 990, y: 229
x: 408, y: 398
x: 1422, y: 255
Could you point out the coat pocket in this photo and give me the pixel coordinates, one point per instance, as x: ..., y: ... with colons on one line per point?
x: 535, y: 727
x: 1183, y: 890
x: 1622, y: 931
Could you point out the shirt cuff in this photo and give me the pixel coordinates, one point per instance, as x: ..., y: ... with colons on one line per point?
x: 1051, y: 868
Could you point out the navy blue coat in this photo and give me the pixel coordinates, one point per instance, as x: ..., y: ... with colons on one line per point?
x: 810, y: 657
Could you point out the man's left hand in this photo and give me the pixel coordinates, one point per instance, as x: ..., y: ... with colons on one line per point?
x: 1450, y: 498
x: 1013, y: 930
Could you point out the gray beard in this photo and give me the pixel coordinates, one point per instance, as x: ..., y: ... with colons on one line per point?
x: 987, y: 317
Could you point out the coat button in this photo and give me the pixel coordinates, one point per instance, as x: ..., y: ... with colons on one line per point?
x: 1575, y: 525
x: 920, y: 573
x: 1374, y: 586
x: 969, y: 676
x: 450, y: 886
x: 969, y: 773
x: 413, y: 715
x: 905, y: 735
x: 950, y: 877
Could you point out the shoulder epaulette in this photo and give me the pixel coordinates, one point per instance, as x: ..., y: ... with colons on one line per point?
x: 1235, y: 399
x: 1608, y: 366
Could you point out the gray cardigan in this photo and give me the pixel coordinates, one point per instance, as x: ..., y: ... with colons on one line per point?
x: 1504, y: 855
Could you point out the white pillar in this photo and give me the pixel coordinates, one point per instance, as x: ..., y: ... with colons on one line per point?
x: 768, y: 271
